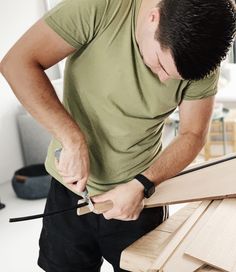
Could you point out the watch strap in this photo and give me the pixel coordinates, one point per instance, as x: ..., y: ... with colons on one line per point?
x: 149, y: 186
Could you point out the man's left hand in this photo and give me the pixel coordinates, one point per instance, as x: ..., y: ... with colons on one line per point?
x: 127, y: 201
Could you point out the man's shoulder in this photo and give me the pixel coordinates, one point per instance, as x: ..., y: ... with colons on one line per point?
x: 203, y: 88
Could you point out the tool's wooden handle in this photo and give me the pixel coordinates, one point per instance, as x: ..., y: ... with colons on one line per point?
x: 102, y: 207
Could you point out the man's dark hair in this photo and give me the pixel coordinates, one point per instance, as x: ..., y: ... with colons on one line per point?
x: 197, y: 32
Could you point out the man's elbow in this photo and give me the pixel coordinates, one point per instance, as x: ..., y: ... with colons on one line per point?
x: 199, y: 138
x: 6, y: 65
x: 11, y: 65
x: 2, y: 67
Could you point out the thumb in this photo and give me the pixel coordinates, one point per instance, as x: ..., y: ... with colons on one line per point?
x: 101, y: 198
x: 80, y: 187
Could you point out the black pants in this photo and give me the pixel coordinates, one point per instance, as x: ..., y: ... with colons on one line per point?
x: 72, y: 243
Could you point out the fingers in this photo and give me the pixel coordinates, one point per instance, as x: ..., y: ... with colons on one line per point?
x: 127, y: 205
x: 124, y: 215
x: 101, y: 198
x: 78, y: 184
x: 78, y: 187
x: 74, y: 184
x: 73, y: 169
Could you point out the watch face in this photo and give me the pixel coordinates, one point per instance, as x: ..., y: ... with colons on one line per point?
x: 150, y: 191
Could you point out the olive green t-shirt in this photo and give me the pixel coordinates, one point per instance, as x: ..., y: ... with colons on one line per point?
x: 119, y: 104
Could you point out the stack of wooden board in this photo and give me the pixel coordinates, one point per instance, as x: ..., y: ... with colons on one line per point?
x: 201, y: 236
x: 211, y: 180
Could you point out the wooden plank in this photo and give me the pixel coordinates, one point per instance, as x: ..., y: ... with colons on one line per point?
x: 142, y: 253
x: 215, y: 244
x: 214, y: 182
x: 98, y: 208
x: 178, y: 237
x: 184, y: 262
x: 208, y: 269
x: 178, y: 218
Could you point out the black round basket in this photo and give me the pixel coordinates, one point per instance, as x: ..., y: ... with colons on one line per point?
x: 31, y: 182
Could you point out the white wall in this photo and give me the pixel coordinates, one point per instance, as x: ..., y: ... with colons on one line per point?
x: 15, y: 18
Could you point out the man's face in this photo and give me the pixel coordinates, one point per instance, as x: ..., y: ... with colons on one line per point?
x: 159, y: 61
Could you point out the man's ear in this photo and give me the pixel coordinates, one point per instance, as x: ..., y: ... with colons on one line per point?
x: 154, y: 18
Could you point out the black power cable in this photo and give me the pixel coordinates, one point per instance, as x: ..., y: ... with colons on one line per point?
x: 85, y: 204
x: 12, y: 220
x: 205, y: 165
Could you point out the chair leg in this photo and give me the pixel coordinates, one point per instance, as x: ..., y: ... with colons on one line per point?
x: 234, y: 137
x: 207, y: 147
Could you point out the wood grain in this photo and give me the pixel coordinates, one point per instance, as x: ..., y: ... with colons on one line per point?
x: 98, y: 208
x: 215, y: 244
x: 214, y: 182
x: 142, y: 253
x: 178, y: 237
x: 184, y: 262
x: 102, y: 206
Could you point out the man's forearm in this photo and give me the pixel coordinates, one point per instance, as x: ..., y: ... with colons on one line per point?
x: 175, y: 157
x: 36, y: 93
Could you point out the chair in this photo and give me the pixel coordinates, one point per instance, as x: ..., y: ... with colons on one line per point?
x: 221, y: 133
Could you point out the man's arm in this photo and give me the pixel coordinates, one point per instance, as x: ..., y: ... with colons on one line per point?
x: 194, y: 122
x: 23, y: 67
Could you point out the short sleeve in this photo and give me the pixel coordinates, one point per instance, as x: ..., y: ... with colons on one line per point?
x: 202, y: 88
x: 76, y: 21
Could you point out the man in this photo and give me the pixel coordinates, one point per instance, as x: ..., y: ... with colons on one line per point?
x: 130, y: 64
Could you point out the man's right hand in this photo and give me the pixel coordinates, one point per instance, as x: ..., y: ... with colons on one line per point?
x: 73, y: 165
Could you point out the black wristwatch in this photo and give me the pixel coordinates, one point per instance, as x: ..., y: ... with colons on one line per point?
x: 149, y: 186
